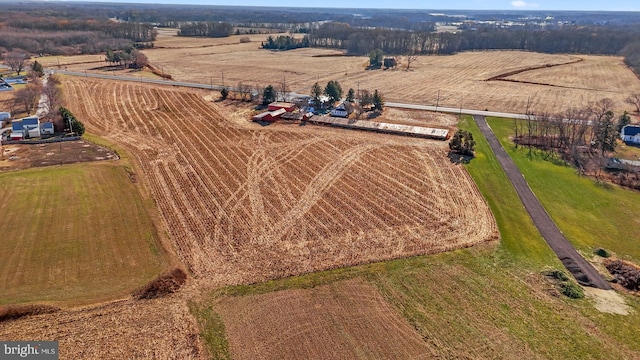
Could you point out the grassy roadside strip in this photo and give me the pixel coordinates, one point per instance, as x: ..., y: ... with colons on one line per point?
x: 591, y: 215
x: 519, y: 237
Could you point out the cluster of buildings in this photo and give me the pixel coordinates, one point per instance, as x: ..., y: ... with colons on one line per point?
x: 339, y: 117
x: 289, y: 111
x: 281, y: 110
x: 25, y: 128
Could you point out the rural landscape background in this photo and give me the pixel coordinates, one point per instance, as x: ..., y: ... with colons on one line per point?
x: 176, y: 227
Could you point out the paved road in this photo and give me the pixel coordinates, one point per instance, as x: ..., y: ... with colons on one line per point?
x: 289, y: 95
x: 581, y: 269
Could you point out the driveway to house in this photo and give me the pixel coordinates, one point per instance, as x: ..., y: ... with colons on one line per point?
x: 581, y: 269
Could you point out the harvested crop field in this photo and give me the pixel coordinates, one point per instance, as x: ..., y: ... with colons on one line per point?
x: 343, y: 320
x: 246, y: 204
x: 556, y: 82
x: 149, y: 329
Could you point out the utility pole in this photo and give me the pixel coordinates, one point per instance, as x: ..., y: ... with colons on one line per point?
x: 222, y: 71
x: 438, y: 101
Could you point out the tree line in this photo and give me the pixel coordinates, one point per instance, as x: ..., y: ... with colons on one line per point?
x: 206, y: 29
x: 582, y: 40
x: 580, y: 136
x: 285, y: 42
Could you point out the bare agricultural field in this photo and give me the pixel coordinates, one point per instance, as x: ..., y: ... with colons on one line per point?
x: 451, y: 81
x: 456, y: 80
x: 149, y: 329
x: 344, y: 320
x: 247, y: 204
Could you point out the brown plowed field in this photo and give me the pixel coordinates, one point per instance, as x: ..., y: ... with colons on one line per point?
x: 245, y: 204
x: 150, y: 329
x: 344, y: 320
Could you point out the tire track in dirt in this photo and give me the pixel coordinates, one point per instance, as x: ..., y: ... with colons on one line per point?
x: 314, y: 191
x: 244, y: 205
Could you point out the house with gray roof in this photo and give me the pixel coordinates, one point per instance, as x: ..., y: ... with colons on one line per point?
x: 630, y: 134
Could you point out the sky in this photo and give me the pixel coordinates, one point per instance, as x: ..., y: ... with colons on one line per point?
x: 590, y: 5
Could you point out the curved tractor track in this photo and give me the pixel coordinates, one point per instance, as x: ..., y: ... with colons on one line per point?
x: 246, y: 204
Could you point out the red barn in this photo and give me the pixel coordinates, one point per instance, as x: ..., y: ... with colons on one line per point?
x: 270, y: 116
x: 288, y: 107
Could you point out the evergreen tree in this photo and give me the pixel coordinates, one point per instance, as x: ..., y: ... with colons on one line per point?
x: 462, y: 143
x: 605, y: 134
x: 316, y: 92
x: 378, y: 103
x: 350, y: 95
x: 623, y: 121
x: 37, y: 68
x: 268, y: 95
x: 70, y: 121
x: 334, y: 91
x: 375, y: 58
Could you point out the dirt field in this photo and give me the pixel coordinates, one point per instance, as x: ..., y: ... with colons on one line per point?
x: 245, y: 204
x: 24, y: 156
x: 343, y: 320
x: 150, y: 329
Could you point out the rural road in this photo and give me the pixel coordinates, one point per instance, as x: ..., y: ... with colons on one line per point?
x: 582, y: 270
x: 290, y: 95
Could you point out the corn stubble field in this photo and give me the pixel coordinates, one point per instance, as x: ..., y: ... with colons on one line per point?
x: 243, y: 204
x: 249, y: 204
x: 462, y: 80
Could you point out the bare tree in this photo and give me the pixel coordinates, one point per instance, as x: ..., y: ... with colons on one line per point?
x: 16, y: 60
x: 634, y: 99
x: 283, y: 89
x: 28, y: 97
x: 53, y: 97
x: 411, y: 58
x: 600, y: 108
x: 244, y: 91
x: 141, y: 60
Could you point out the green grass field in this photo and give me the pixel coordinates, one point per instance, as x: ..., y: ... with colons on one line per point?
x: 591, y: 215
x: 75, y: 234
x: 489, y: 302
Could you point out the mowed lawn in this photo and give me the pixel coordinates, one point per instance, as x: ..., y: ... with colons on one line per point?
x: 591, y: 215
x: 74, y: 234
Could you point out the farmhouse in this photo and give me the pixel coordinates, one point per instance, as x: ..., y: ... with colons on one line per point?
x: 631, y: 134
x: 340, y: 111
x: 25, y: 128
